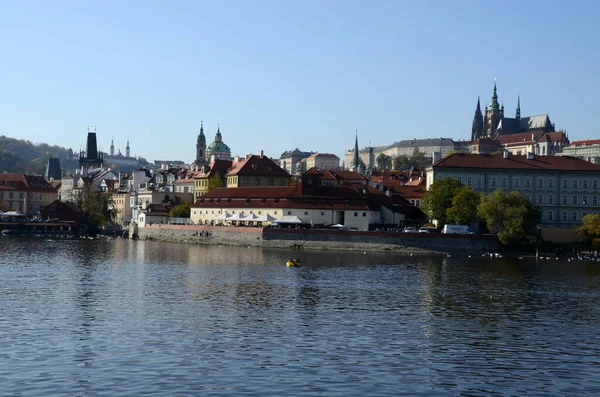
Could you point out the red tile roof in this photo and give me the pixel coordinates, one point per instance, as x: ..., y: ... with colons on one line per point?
x: 31, y: 183
x: 497, y: 161
x: 257, y: 165
x: 586, y: 143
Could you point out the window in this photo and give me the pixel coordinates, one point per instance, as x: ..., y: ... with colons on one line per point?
x: 574, y: 217
x: 517, y: 182
x: 356, y: 214
x: 504, y: 181
x: 564, y: 215
x: 574, y: 200
x: 564, y: 200
x: 469, y: 181
x: 305, y: 212
x: 21, y: 195
x: 584, y: 201
x: 478, y: 181
x: 527, y: 182
x: 583, y: 215
x: 270, y: 181
x: 594, y: 200
x: 11, y: 195
x: 364, y: 214
x: 595, y: 184
x: 540, y: 182
x: 550, y: 215
x: 565, y: 185
x: 493, y: 181
x: 550, y: 199
x: 585, y: 184
x: 289, y: 212
x: 439, y: 178
x: 540, y: 199
x: 282, y: 182
x: 459, y: 179
x: 551, y: 183
x: 322, y: 213
x: 245, y: 180
x: 574, y: 183
x: 257, y: 181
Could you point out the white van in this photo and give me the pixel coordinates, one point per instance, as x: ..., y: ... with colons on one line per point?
x: 457, y: 229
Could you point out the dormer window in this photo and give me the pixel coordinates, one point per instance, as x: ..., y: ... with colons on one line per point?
x: 254, y: 167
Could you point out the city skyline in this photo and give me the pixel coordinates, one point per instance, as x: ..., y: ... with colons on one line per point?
x: 280, y: 76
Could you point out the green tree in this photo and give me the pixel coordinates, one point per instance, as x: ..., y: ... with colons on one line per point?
x: 401, y: 162
x: 438, y: 199
x: 510, y: 215
x: 215, y: 181
x: 384, y: 162
x: 180, y: 211
x: 589, y: 230
x: 97, y: 208
x: 464, y: 207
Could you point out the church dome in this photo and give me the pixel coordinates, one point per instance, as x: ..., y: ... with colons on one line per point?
x: 218, y: 147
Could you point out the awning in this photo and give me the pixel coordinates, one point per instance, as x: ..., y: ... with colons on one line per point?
x: 224, y: 216
x: 266, y: 218
x: 289, y: 219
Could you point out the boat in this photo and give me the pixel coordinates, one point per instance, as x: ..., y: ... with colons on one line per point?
x: 293, y: 263
x: 8, y: 232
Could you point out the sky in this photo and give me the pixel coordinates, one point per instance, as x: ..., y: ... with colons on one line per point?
x: 277, y: 75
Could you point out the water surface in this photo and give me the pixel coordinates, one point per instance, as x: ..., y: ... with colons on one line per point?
x: 119, y: 317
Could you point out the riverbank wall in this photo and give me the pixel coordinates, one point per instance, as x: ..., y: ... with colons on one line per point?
x: 321, y: 239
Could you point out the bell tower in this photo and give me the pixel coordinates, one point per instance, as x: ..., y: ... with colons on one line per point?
x: 201, y: 146
x: 493, y: 115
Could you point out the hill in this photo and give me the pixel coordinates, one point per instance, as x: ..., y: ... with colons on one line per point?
x: 23, y: 156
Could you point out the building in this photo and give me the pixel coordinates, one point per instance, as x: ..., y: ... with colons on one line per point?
x: 492, y: 122
x: 216, y: 169
x: 564, y: 188
x: 310, y: 203
x: 257, y: 170
x: 125, y: 163
x: 340, y: 177
x: 432, y: 148
x: 586, y: 150
x: 537, y: 142
x: 289, y: 160
x: 218, y: 149
x: 25, y: 193
x: 91, y: 158
x: 410, y: 185
x: 325, y: 161
x: 153, y: 213
x: 201, y: 148
x: 65, y: 212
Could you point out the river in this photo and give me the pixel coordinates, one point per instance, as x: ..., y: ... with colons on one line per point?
x: 110, y: 317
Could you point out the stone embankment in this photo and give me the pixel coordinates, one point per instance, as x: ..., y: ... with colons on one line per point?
x: 320, y: 239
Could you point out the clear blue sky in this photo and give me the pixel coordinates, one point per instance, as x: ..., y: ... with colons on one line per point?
x: 282, y: 74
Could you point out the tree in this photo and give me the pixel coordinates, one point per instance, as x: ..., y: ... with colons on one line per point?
x: 589, y: 230
x: 180, y: 211
x: 401, y: 162
x: 438, y: 199
x: 97, y: 208
x: 384, y: 162
x: 510, y: 215
x: 464, y: 207
x: 215, y: 181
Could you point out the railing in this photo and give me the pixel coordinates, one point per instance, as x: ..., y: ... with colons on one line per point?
x: 180, y: 221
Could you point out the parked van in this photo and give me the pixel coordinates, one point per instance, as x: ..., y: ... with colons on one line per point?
x: 457, y: 229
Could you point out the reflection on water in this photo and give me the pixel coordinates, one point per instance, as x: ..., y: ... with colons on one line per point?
x: 108, y: 317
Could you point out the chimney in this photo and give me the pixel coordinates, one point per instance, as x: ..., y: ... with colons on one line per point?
x: 529, y: 156
x: 236, y: 159
x: 505, y: 154
x: 260, y: 153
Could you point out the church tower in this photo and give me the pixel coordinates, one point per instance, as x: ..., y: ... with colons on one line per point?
x: 518, y: 115
x: 112, y: 147
x: 356, y: 159
x: 477, y: 129
x: 127, y: 149
x: 201, y: 147
x: 493, y: 115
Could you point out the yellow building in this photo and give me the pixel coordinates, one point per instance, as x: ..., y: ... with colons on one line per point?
x: 257, y: 170
x: 325, y: 161
x: 202, y: 177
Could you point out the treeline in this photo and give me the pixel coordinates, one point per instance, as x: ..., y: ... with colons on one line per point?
x: 23, y: 156
x: 402, y: 162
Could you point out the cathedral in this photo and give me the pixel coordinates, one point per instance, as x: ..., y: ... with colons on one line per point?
x: 216, y: 150
x: 492, y: 123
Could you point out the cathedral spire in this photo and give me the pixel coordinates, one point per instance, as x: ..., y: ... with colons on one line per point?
x: 518, y: 116
x: 356, y: 155
x: 494, y: 105
x: 477, y: 129
x: 112, y: 147
x: 127, y: 149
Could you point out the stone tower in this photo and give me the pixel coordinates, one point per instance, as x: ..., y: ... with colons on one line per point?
x: 493, y: 115
x: 201, y: 147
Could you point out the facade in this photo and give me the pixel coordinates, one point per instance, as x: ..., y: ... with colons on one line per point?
x: 536, y: 142
x: 25, y: 193
x: 218, y: 149
x: 289, y: 160
x: 586, y: 150
x: 492, y: 122
x: 122, y: 208
x: 153, y: 213
x: 564, y: 188
x: 257, y: 170
x: 325, y: 161
x: 206, y: 172
x: 431, y: 147
x: 125, y: 163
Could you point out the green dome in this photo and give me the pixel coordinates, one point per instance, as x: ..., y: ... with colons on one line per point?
x: 218, y: 147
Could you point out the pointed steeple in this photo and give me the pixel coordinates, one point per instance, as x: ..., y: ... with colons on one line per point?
x: 127, y: 149
x: 201, y: 147
x: 112, y: 147
x: 477, y: 128
x: 356, y: 155
x: 218, y: 137
x: 518, y: 115
x: 494, y: 105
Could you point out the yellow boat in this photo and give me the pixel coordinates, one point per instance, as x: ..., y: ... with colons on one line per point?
x: 293, y: 263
